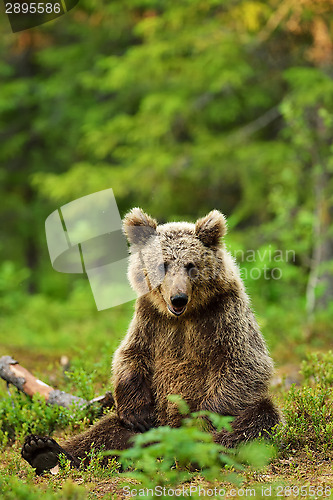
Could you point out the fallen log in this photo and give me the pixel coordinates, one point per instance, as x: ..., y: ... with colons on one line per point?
x: 13, y: 373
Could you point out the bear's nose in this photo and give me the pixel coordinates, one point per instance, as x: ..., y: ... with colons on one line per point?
x: 179, y: 300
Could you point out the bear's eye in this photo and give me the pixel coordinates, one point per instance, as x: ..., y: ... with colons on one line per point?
x: 163, y: 267
x: 192, y: 270
x: 190, y: 266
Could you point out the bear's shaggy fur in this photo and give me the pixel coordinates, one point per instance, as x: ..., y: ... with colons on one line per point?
x: 193, y: 334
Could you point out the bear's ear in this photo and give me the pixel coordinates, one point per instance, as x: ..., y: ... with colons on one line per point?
x: 138, y: 226
x: 211, y: 228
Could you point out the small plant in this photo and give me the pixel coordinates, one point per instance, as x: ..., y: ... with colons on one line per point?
x: 168, y: 457
x: 96, y: 465
x: 13, y: 488
x: 309, y: 410
x: 20, y: 415
x: 318, y: 369
x: 83, y: 382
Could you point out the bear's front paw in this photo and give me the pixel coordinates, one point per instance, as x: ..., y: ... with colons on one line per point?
x: 42, y: 453
x: 140, y: 421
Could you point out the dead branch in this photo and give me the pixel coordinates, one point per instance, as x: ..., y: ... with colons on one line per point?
x: 13, y: 373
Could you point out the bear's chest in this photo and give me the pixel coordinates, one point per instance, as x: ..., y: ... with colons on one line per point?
x: 181, y: 364
x: 181, y: 344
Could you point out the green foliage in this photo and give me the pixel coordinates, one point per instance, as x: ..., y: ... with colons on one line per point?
x: 93, y: 467
x: 14, y: 489
x: 169, y: 457
x: 308, y: 413
x: 318, y: 369
x: 40, y: 323
x: 20, y: 416
x: 83, y: 381
x: 11, y: 294
x: 308, y: 410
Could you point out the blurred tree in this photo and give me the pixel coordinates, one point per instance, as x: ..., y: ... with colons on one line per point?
x: 179, y: 107
x: 42, y: 106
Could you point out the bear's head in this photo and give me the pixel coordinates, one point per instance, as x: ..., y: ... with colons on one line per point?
x: 179, y: 266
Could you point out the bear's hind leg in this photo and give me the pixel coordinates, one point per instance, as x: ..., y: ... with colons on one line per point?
x: 42, y: 453
x: 257, y: 420
x: 108, y: 433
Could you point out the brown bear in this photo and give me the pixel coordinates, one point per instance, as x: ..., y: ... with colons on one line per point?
x: 193, y: 334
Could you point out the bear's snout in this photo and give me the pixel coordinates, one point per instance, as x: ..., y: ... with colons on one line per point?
x: 179, y: 303
x: 179, y: 300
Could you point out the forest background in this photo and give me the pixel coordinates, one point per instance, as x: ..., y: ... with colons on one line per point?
x: 179, y: 108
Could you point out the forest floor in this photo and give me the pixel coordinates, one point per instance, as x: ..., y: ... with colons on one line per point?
x: 301, y: 473
x: 296, y: 472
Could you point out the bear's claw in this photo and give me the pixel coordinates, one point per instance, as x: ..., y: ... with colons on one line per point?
x: 42, y: 453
